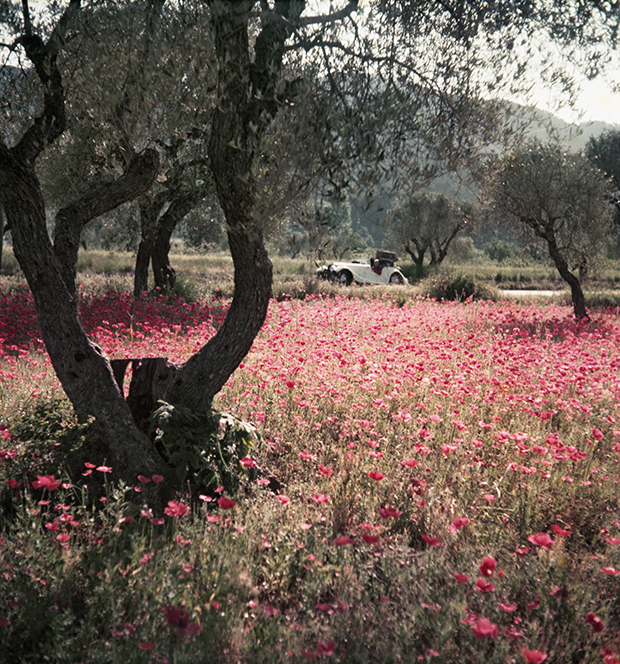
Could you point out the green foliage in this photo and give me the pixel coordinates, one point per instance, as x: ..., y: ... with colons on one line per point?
x: 204, y: 450
x: 459, y: 287
x: 499, y: 250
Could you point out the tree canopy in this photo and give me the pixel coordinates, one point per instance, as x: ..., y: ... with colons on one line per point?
x: 561, y: 199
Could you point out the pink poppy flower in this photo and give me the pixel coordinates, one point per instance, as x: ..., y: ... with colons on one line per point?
x: 533, y: 656
x: 458, y: 523
x: 461, y: 578
x: 376, y: 475
x: 596, y: 622
x: 389, y: 512
x: 176, y: 508
x: 541, y: 539
x: 343, y: 540
x: 484, y: 627
x: 431, y: 541
x: 410, y: 463
x: 284, y: 500
x: 559, y: 531
x: 226, y: 503
x: 46, y: 482
x: 487, y: 566
x: 370, y: 539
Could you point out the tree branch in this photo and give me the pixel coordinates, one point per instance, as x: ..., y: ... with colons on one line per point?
x: 71, y: 219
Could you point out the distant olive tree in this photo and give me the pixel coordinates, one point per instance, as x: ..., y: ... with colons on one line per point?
x: 426, y: 224
x: 560, y: 198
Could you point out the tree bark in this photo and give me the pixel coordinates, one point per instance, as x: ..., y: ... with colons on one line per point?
x: 579, y: 303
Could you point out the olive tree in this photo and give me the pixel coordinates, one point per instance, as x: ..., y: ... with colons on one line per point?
x: 427, y: 222
x: 560, y: 199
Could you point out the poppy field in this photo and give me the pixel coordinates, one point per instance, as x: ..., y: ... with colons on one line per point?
x: 430, y: 482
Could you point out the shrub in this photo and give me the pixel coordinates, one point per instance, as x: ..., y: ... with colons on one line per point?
x: 457, y: 287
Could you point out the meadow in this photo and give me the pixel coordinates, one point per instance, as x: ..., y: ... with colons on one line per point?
x: 432, y: 482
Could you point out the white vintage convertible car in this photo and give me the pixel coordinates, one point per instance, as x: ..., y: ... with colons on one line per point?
x: 378, y: 270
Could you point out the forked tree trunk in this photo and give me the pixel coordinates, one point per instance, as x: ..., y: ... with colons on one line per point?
x: 81, y: 366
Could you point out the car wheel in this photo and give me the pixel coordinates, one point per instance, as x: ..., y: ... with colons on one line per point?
x: 345, y: 278
x: 396, y: 278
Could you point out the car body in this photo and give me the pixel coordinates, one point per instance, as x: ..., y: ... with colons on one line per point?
x: 378, y: 270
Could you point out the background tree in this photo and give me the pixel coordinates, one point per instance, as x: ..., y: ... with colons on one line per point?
x: 559, y: 198
x: 427, y: 222
x: 604, y: 152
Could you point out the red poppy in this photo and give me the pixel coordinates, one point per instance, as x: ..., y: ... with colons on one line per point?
x: 410, y: 463
x: 370, y: 539
x: 46, y: 482
x: 461, y: 578
x: 104, y: 469
x: 485, y: 586
x: 143, y: 479
x: 487, y: 566
x: 597, y: 433
x: 326, y: 649
x: 328, y: 472
x: 559, y: 531
x: 376, y: 475
x: 483, y: 627
x: 541, y: 539
x: 458, y: 523
x: 389, y: 512
x: 611, y: 571
x: 226, y: 503
x: 521, y: 551
x: 290, y: 384
x: 158, y: 479
x: 247, y: 462
x: 146, y: 645
x: 533, y: 656
x: 343, y: 540
x: 509, y: 608
x: 175, y: 508
x: 431, y: 541
x: 284, y: 500
x: 596, y: 622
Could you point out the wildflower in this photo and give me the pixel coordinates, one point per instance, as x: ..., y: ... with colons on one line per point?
x: 343, y: 541
x: 104, y: 469
x: 541, y: 539
x: 370, y: 539
x: 596, y: 622
x: 485, y: 586
x: 431, y: 541
x: 146, y: 645
x: 487, y: 566
x: 484, y: 627
x: 46, y: 482
x: 611, y: 571
x: 290, y: 384
x: 375, y: 475
x: 328, y: 472
x: 226, y: 503
x: 489, y: 498
x: 458, y: 523
x: 320, y: 498
x: 158, y: 479
x: 326, y: 649
x: 521, y: 551
x: 509, y: 608
x: 533, y: 656
x: 389, y: 512
x: 461, y: 578
x: 247, y: 462
x: 143, y: 479
x: 284, y: 500
x: 410, y: 463
x: 559, y: 531
x: 597, y: 433
x: 176, y: 508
